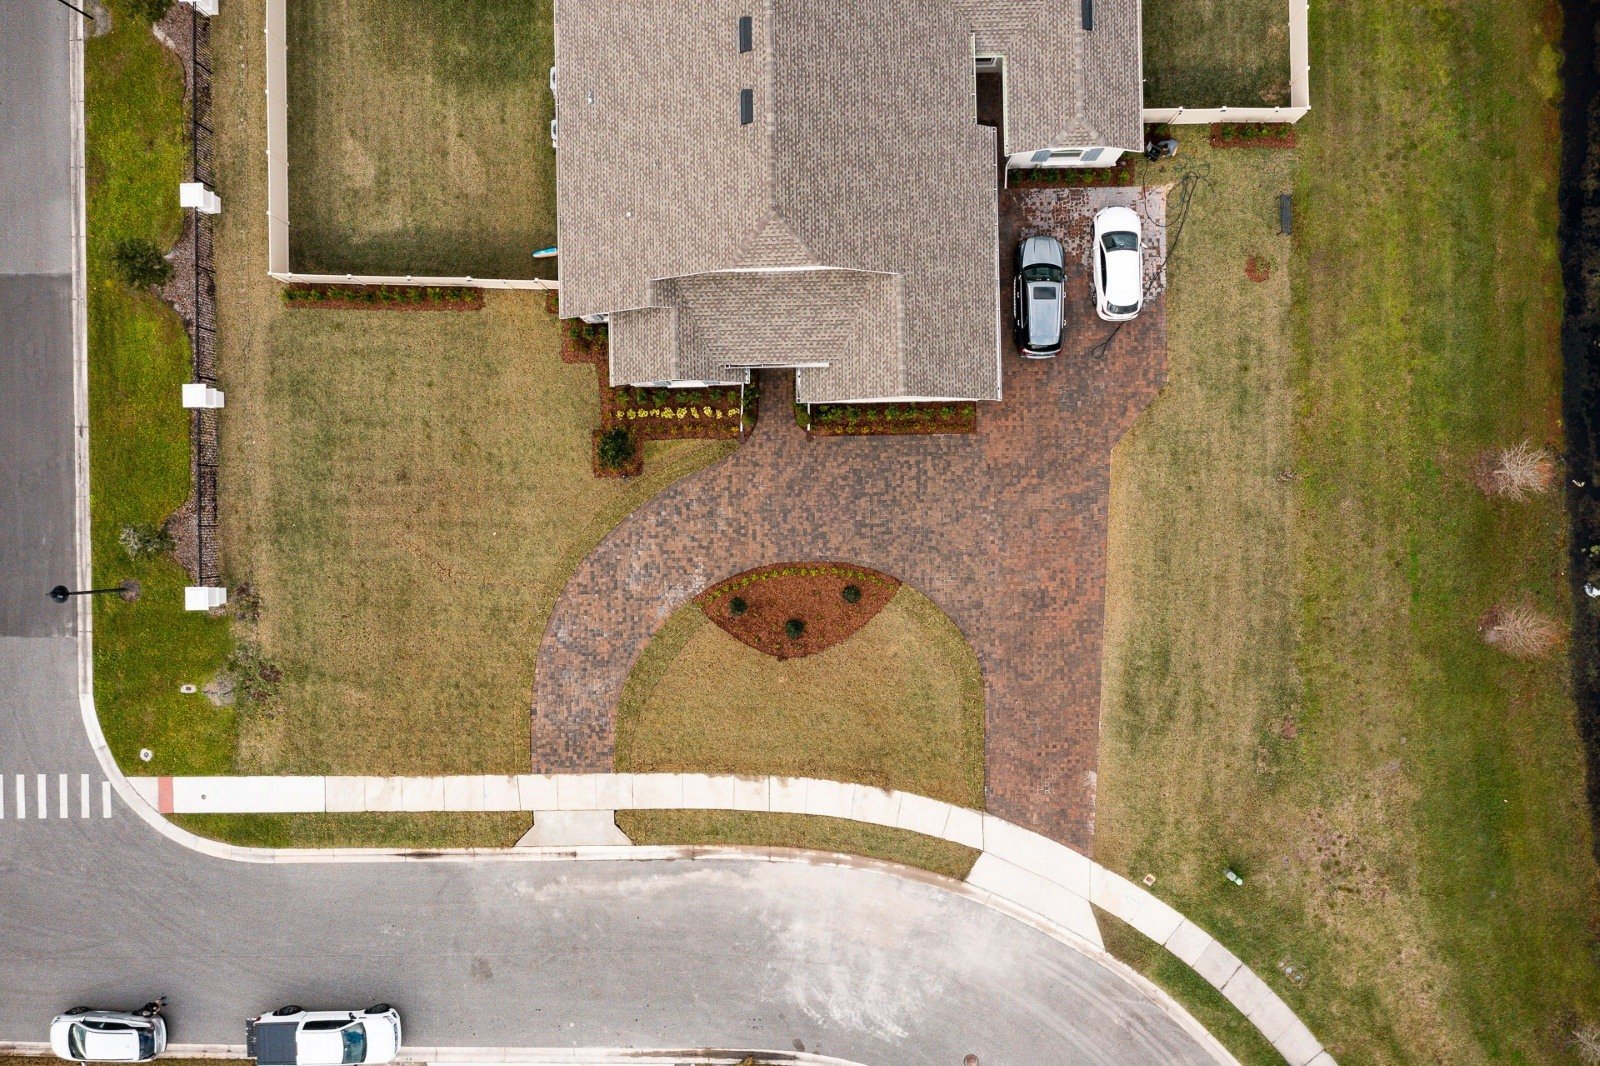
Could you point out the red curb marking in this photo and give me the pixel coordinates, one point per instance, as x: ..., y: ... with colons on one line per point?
x: 164, y: 795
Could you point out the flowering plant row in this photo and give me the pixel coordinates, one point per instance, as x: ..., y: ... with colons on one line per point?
x: 678, y: 412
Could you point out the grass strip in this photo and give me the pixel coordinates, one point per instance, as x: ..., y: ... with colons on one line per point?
x: 413, y: 830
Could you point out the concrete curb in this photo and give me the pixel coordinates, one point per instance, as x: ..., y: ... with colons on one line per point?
x: 513, y: 1056
x: 1019, y: 871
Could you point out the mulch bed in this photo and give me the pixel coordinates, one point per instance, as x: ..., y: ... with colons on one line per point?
x: 383, y: 297
x: 1252, y: 135
x: 655, y: 414
x: 887, y: 419
x: 813, y: 593
x: 1129, y: 170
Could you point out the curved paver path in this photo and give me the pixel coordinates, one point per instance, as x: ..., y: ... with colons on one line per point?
x: 1004, y: 529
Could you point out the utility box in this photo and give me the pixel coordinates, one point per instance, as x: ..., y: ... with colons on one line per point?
x: 203, y: 597
x: 198, y: 395
x: 194, y: 194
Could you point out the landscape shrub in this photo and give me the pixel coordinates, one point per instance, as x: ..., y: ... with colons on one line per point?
x: 140, y: 262
x: 737, y: 606
x: 1520, y: 630
x: 152, y: 11
x: 851, y: 593
x: 1514, y: 473
x: 616, y: 448
x: 145, y: 539
x: 793, y: 628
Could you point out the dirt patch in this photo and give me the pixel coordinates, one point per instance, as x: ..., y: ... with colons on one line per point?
x: 1252, y: 135
x: 829, y: 601
x: 1258, y: 268
x: 383, y: 297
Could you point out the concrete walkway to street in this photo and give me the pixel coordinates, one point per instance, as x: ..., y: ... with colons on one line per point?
x: 1018, y: 871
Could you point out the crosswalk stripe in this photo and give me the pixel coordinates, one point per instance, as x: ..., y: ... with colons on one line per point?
x: 44, y: 799
x: 83, y: 795
x: 22, y: 797
x: 61, y: 791
x: 105, y: 799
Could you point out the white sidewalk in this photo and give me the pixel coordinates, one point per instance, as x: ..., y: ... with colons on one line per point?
x: 1019, y: 871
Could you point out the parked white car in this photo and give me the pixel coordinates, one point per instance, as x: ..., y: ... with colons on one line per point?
x: 83, y: 1034
x: 294, y: 1036
x: 1118, y: 264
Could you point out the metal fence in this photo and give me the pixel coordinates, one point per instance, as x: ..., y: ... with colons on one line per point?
x: 203, y: 331
x: 1299, y: 85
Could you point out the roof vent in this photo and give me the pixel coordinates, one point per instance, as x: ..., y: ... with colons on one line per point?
x: 1088, y: 14
x: 747, y: 106
x: 746, y: 34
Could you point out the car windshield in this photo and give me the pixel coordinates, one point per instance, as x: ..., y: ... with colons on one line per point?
x: 355, y: 1043
x: 1043, y: 292
x: 75, y: 1035
x: 1121, y: 241
x: 1124, y: 309
x: 147, y: 1043
x: 1041, y: 272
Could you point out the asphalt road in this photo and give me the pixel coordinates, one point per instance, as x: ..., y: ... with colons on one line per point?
x: 855, y: 963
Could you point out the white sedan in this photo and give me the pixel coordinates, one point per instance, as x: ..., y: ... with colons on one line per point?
x: 86, y: 1035
x: 294, y: 1036
x: 1118, y: 265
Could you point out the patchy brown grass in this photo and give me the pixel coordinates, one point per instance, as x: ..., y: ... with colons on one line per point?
x: 1520, y: 630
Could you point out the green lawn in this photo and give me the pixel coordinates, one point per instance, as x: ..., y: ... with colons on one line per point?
x: 1216, y: 53
x: 1294, y: 683
x: 419, y: 137
x: 139, y: 438
x: 899, y: 704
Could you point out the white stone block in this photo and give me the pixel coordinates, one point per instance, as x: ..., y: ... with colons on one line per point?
x: 966, y: 827
x: 148, y: 788
x: 203, y: 597
x: 536, y: 792
x: 1123, y: 899
x: 613, y: 792
x: 922, y: 815
x: 707, y: 793
x: 422, y: 793
x: 1037, y: 894
x: 1217, y: 965
x: 196, y: 195
x: 657, y: 792
x: 752, y: 794
x: 1188, y: 942
x: 500, y: 793
x: 576, y: 792
x: 197, y: 394
x: 788, y: 795
x: 829, y: 799
x: 463, y: 793
x: 879, y: 806
x: 345, y: 795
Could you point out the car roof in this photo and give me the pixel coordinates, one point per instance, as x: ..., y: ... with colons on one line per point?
x: 121, y: 1046
x: 1117, y: 218
x: 1124, y: 284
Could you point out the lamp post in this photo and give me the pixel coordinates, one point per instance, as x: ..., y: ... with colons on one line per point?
x: 128, y: 590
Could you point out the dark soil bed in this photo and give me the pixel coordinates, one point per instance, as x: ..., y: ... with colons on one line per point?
x: 813, y: 594
x: 383, y: 297
x: 867, y: 419
x: 1252, y: 135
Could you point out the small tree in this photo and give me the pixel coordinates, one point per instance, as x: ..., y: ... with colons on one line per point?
x: 1520, y: 631
x: 139, y: 262
x: 1514, y: 473
x: 145, y: 539
x: 1586, y: 1044
x: 793, y: 628
x: 851, y: 594
x: 616, y: 448
x: 737, y: 606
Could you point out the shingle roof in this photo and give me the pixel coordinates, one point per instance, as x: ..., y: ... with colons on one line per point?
x: 1065, y: 86
x: 864, y: 166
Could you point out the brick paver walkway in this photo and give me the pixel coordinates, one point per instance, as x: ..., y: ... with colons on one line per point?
x: 1003, y: 529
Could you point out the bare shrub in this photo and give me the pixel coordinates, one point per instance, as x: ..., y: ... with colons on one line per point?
x: 1586, y: 1043
x: 1520, y: 630
x: 1514, y: 473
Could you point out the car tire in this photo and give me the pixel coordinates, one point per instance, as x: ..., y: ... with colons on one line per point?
x: 379, y: 1008
x: 284, y: 1012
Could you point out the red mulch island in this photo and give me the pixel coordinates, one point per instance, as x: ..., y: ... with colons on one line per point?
x: 811, y: 593
x: 1252, y: 135
x: 862, y: 419
x: 654, y: 414
x: 383, y: 297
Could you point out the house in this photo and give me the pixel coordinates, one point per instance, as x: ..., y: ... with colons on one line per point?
x: 803, y: 184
